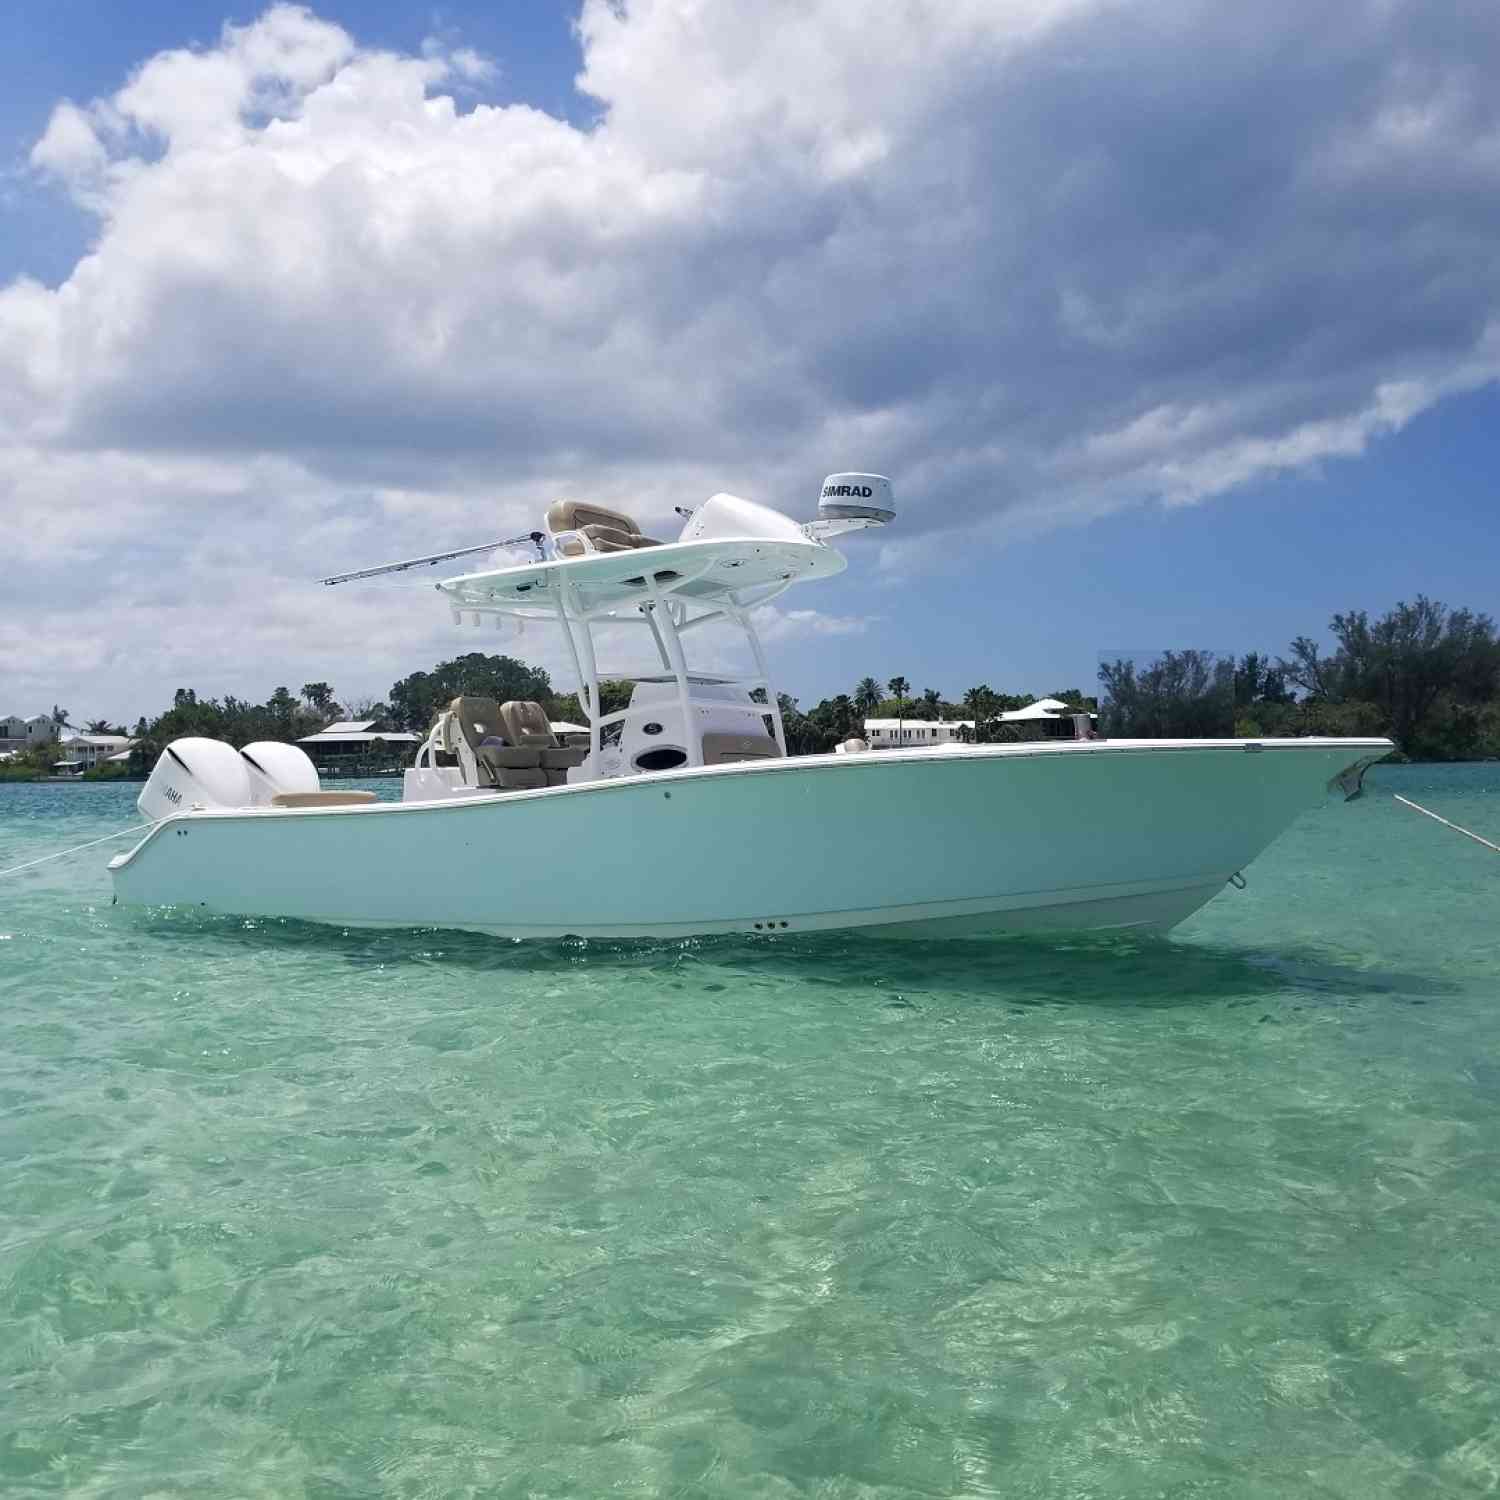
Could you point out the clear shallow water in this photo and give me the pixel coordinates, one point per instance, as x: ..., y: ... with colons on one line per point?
x: 293, y: 1211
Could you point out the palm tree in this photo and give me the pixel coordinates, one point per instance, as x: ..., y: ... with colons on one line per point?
x: 980, y: 701
x: 932, y: 704
x: 867, y: 695
x: 59, y: 717
x: 844, y: 717
x: 319, y: 697
x: 899, y: 687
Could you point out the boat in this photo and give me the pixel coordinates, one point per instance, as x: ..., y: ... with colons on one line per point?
x: 682, y: 814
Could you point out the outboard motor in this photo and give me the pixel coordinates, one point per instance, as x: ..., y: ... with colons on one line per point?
x: 193, y: 774
x: 274, y: 767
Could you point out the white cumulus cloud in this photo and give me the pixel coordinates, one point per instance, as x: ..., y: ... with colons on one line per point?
x: 1039, y: 261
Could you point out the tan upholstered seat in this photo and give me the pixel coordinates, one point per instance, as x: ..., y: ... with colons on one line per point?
x: 721, y: 749
x: 511, y: 766
x: 478, y: 719
x: 323, y: 799
x: 608, y: 530
x: 526, y: 724
x: 521, y: 779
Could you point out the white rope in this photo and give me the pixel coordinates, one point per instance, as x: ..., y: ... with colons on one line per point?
x: 76, y: 849
x: 1417, y: 807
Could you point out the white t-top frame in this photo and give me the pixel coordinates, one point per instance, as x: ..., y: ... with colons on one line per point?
x: 668, y: 619
x: 670, y: 591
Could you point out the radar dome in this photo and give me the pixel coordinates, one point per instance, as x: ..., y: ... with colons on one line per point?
x: 857, y: 497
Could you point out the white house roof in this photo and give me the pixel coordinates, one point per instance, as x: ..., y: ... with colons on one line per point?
x: 98, y: 741
x: 357, y: 737
x: 347, y: 726
x: 1043, y: 708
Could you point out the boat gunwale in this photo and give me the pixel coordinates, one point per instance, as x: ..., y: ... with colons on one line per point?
x: 949, y: 754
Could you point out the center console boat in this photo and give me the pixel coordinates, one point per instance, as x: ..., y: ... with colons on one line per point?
x: 682, y: 813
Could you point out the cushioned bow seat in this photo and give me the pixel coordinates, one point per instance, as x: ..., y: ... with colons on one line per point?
x: 607, y: 530
x: 323, y: 799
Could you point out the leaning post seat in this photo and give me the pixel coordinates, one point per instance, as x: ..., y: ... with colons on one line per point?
x: 606, y: 530
x: 478, y: 719
x: 526, y: 724
x: 512, y: 767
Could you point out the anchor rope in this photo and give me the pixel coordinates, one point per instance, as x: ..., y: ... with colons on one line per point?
x: 1427, y: 812
x: 76, y: 849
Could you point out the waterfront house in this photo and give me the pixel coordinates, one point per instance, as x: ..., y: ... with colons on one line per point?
x: 888, y: 734
x: 18, y: 734
x: 1053, y: 718
x: 358, y: 747
x: 88, y: 751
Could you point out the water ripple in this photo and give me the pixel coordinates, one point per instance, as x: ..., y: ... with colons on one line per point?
x: 290, y: 1210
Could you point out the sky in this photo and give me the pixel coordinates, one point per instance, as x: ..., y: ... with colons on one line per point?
x: 1174, y: 324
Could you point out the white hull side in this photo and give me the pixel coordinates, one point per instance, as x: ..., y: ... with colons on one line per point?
x: 967, y: 843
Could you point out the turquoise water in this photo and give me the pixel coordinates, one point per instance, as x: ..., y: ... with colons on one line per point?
x: 289, y: 1211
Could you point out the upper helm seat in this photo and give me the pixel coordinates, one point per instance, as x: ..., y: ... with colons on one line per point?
x: 607, y: 530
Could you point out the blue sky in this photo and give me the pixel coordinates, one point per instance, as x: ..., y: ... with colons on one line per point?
x: 84, y: 49
x: 1173, y: 326
x: 1246, y: 572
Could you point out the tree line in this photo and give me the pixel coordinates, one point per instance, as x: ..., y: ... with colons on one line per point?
x: 410, y: 706
x: 1423, y: 674
x: 1426, y: 675
x: 816, y: 730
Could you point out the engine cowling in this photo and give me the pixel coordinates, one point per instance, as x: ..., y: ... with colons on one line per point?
x: 275, y: 767
x: 194, y: 773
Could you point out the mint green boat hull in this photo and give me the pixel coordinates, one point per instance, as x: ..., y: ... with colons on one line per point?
x: 957, y: 843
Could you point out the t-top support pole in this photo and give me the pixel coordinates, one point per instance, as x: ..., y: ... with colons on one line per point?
x: 773, y: 705
x: 663, y: 622
x: 585, y: 669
